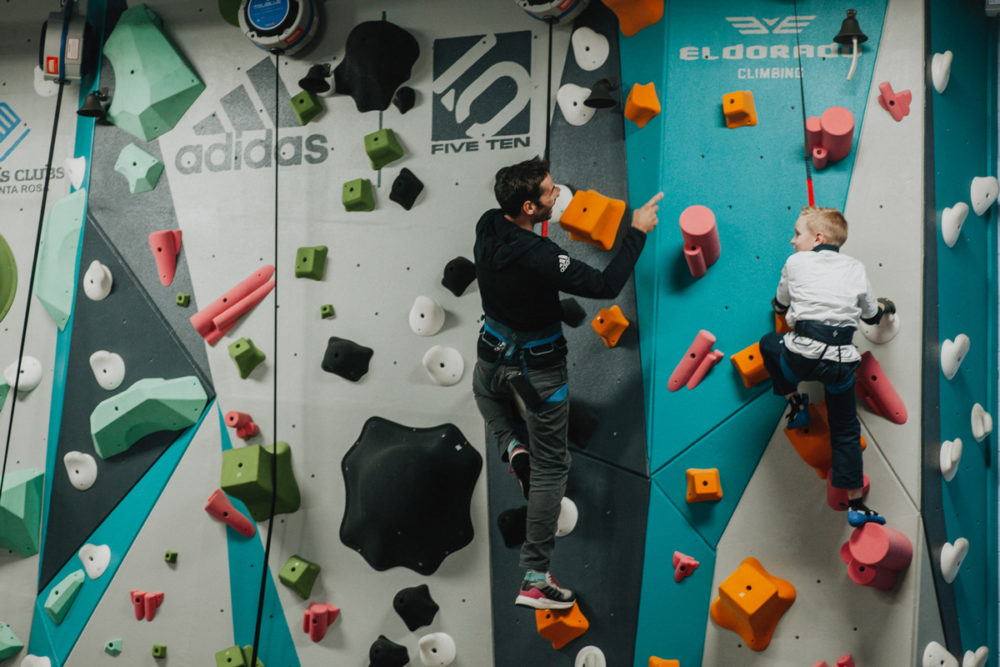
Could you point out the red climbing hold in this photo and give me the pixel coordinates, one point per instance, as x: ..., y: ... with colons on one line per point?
x: 317, y: 618
x: 165, y: 245
x: 221, y: 508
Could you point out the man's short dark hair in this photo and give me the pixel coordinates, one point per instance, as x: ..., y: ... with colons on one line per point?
x: 519, y: 183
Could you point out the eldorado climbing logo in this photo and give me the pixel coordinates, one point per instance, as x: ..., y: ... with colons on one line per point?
x: 246, y: 139
x: 12, y: 130
x: 751, y: 25
x: 482, y: 93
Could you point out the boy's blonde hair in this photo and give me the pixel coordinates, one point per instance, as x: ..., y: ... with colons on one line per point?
x: 830, y: 221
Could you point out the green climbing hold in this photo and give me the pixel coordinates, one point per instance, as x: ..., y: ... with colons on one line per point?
x: 55, y: 277
x: 247, y: 473
x: 170, y: 557
x: 246, y: 355
x: 248, y: 656
x: 299, y: 575
x: 309, y: 262
x: 306, y: 106
x: 21, y: 510
x: 183, y: 299
x: 382, y: 148
x: 230, y: 657
x: 141, y: 169
x: 9, y: 643
x: 63, y: 594
x: 357, y: 195
x: 8, y: 278
x: 113, y: 646
x: 159, y: 650
x: 326, y: 311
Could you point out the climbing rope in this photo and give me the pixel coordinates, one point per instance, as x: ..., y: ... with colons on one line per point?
x: 802, y: 100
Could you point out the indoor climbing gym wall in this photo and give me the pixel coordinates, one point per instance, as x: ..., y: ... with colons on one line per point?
x: 236, y: 268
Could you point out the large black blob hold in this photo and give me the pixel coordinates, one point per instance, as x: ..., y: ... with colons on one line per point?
x: 377, y: 60
x: 386, y: 653
x: 346, y: 358
x: 415, y: 606
x: 458, y: 274
x: 513, y: 526
x: 408, y: 493
x: 572, y: 312
x: 406, y: 188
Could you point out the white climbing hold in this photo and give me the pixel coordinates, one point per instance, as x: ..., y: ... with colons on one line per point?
x: 35, y: 661
x: 97, y: 281
x: 941, y: 70
x: 444, y: 365
x: 31, y: 374
x: 437, y: 649
x: 568, y: 516
x: 562, y: 201
x: 43, y: 86
x: 936, y: 655
x: 81, y: 469
x: 949, y: 458
x: 76, y: 168
x: 109, y: 369
x: 570, y: 100
x: 590, y: 656
x: 983, y: 192
x: 590, y: 48
x: 884, y: 331
x: 952, y: 354
x: 426, y: 316
x: 982, y: 422
x: 977, y: 659
x: 952, y: 556
x: 95, y: 559
x: 951, y: 222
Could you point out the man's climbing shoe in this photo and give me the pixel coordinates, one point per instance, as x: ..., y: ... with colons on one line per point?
x: 540, y: 590
x: 798, y: 412
x: 858, y: 514
x: 520, y: 465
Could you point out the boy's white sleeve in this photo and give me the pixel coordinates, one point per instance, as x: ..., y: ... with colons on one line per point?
x: 867, y: 301
x: 782, y: 296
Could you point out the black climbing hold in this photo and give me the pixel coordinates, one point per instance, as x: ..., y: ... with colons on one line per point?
x: 458, y: 274
x: 346, y: 358
x: 582, y: 424
x: 572, y: 312
x: 378, y: 58
x: 415, y: 606
x: 512, y: 525
x: 406, y: 188
x: 404, y: 99
x: 386, y: 653
x: 408, y: 494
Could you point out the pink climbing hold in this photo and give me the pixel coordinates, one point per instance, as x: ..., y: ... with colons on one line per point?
x: 875, y: 554
x: 836, y: 497
x: 684, y: 566
x: 689, y: 363
x: 711, y: 359
x: 165, y: 245
x: 842, y: 661
x: 317, y: 618
x: 221, y: 508
x: 897, y: 104
x: 701, y: 238
x: 215, y: 319
x: 819, y: 158
x: 833, y: 132
x: 243, y: 423
x: 874, y: 388
x: 145, y: 604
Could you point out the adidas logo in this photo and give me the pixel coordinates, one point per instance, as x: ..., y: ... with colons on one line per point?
x: 246, y: 138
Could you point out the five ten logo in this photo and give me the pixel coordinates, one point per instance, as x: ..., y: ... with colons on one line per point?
x: 248, y: 143
x: 482, y: 92
x: 751, y: 25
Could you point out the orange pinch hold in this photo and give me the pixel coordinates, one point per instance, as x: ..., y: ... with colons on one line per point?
x: 689, y: 363
x: 739, y: 109
x: 660, y: 662
x: 165, y: 245
x: 642, y: 104
x: 750, y: 365
x: 751, y: 602
x: 593, y: 218
x: 703, y: 485
x: 634, y: 15
x: 561, y: 626
x: 609, y: 325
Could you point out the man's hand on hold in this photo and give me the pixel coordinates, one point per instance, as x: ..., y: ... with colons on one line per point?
x: 644, y: 219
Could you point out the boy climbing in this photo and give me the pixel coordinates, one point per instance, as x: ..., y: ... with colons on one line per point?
x: 822, y: 293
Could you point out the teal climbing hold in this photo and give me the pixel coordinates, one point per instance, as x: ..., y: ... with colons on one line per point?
x: 148, y: 406
x: 382, y: 148
x: 299, y: 575
x: 10, y: 645
x: 247, y: 473
x: 21, y: 510
x: 61, y: 596
x: 141, y: 169
x: 306, y: 106
x: 357, y: 195
x: 113, y: 646
x: 309, y: 262
x: 8, y: 278
x: 154, y: 85
x: 5, y: 388
x: 246, y: 355
x: 55, y: 276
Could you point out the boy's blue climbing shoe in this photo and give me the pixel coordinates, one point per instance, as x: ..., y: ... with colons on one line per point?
x: 798, y: 413
x: 858, y: 514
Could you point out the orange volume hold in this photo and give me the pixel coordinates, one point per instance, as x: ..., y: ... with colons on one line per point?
x: 561, y: 626
x: 609, y: 325
x: 751, y: 602
x: 594, y: 218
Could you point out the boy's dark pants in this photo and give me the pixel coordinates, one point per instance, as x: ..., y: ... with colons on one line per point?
x: 787, y: 369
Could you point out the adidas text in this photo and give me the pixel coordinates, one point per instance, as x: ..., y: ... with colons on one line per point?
x: 230, y: 154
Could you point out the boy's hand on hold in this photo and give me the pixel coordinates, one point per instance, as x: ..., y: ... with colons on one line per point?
x: 887, y: 305
x: 644, y: 219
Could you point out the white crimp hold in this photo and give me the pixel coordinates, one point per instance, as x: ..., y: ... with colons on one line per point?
x: 977, y: 659
x: 570, y: 100
x: 590, y: 48
x: 949, y: 458
x: 562, y: 202
x: 426, y: 316
x: 109, y: 369
x: 952, y: 354
x: 568, y: 516
x: 952, y: 556
x: 31, y: 374
x: 983, y: 192
x: 81, y: 469
x: 952, y: 218
x: 97, y: 281
x: 884, y: 331
x: 437, y: 649
x: 35, y: 661
x: 941, y: 70
x: 76, y: 168
x: 444, y: 365
x: 590, y: 656
x: 982, y: 422
x: 936, y: 655
x: 95, y: 559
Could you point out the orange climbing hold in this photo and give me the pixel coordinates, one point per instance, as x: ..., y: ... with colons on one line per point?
x: 593, y: 218
x: 739, y: 109
x: 561, y: 626
x: 812, y: 442
x: 750, y: 365
x: 642, y: 104
x: 703, y: 484
x: 780, y: 325
x: 634, y: 15
x: 751, y: 602
x: 609, y: 325
x: 660, y: 662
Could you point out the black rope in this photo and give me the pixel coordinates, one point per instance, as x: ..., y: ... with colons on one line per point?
x: 802, y: 99
x: 274, y: 394
x: 548, y: 90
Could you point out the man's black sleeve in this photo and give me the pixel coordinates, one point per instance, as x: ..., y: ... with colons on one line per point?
x: 576, y: 277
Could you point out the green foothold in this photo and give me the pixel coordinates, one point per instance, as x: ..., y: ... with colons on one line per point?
x: 309, y: 262
x: 113, y: 647
x: 148, y: 406
x: 231, y: 657
x: 8, y: 278
x: 21, y: 510
x: 299, y: 575
x: 382, y: 148
x: 141, y: 169
x: 9, y: 643
x: 55, y: 277
x: 246, y: 355
x: 247, y: 473
x: 183, y: 300
x: 154, y: 85
x: 325, y: 311
x: 61, y: 596
x: 159, y: 650
x: 306, y: 106
x: 170, y: 557
x: 358, y: 196
x: 248, y: 655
